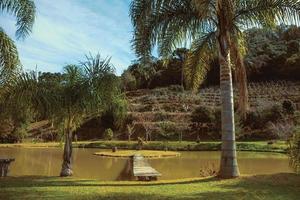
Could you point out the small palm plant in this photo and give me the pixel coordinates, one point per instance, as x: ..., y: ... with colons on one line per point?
x: 84, y: 92
x: 214, y: 28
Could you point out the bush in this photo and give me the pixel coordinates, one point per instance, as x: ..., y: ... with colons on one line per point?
x: 108, y: 134
x: 167, y: 129
x: 218, y: 120
x: 253, y: 120
x: 259, y: 118
x: 20, y: 132
x: 266, y: 123
x: 176, y: 88
x: 294, y: 150
x: 203, y: 114
x: 288, y: 107
x: 129, y: 81
x: 119, y: 111
x: 209, y: 170
x: 116, y: 114
x: 273, y: 114
x: 206, y: 122
x: 239, y: 131
x: 281, y: 130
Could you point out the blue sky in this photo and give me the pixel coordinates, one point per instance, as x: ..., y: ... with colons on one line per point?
x: 66, y: 30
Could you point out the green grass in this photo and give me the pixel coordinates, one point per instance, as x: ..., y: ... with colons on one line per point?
x: 260, y: 146
x: 273, y: 187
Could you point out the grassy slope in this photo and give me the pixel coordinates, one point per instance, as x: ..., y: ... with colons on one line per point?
x: 262, y: 146
x: 275, y: 187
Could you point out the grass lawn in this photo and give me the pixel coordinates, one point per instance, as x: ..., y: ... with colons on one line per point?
x: 261, y: 146
x: 273, y: 187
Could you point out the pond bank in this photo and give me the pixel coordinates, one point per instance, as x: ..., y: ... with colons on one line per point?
x: 276, y: 186
x: 257, y: 146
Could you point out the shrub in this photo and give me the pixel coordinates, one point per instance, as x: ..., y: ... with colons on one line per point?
x: 239, y: 131
x: 176, y: 88
x: 167, y: 129
x: 116, y: 114
x: 208, y: 170
x: 252, y: 120
x: 217, y: 120
x: 259, y: 118
x: 294, y: 150
x: 20, y: 132
x: 161, y: 116
x: 119, y: 111
x: 273, y: 114
x: 281, y: 130
x: 203, y: 114
x: 129, y: 81
x: 288, y: 107
x: 108, y: 134
x: 206, y: 122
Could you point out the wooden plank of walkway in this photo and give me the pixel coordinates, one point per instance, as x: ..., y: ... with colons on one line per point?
x: 142, y: 169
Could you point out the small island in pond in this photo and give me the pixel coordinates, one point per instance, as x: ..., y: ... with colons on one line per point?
x: 144, y: 153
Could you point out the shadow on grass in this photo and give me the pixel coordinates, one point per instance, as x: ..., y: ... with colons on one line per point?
x: 47, y: 181
x: 275, y: 187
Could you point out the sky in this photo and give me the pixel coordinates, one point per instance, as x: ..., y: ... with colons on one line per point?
x: 67, y: 30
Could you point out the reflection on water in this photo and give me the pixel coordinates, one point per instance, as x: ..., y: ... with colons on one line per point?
x: 47, y: 162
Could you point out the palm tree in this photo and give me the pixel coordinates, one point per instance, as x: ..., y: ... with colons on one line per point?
x: 24, y: 11
x: 84, y: 92
x: 214, y: 27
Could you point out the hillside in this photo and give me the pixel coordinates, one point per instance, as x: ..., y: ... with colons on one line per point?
x: 171, y: 109
x: 165, y: 113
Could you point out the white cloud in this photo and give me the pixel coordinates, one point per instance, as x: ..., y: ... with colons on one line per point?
x: 64, y: 32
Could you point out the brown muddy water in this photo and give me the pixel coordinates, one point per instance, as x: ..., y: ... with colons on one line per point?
x: 47, y: 162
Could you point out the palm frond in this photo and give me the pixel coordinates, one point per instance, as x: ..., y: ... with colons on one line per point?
x: 98, y: 75
x: 266, y: 13
x: 237, y: 50
x: 24, y: 10
x: 9, y: 59
x: 26, y: 90
x: 95, y: 66
x: 166, y: 22
x: 198, y: 60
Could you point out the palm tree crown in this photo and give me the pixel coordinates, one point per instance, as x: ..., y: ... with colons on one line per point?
x: 168, y: 23
x: 24, y: 11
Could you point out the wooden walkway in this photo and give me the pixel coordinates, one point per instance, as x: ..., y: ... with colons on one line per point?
x: 142, y: 170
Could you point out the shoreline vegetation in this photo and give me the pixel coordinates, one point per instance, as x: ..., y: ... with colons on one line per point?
x: 275, y: 187
x: 256, y: 146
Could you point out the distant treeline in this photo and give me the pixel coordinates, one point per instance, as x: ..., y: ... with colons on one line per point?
x: 269, y: 55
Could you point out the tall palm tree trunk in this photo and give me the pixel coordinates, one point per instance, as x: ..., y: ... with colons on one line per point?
x: 229, y: 167
x: 66, y: 169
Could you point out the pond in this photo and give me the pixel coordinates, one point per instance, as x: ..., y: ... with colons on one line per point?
x: 47, y: 162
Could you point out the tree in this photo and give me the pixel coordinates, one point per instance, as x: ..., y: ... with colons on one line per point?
x: 24, y: 11
x: 215, y: 28
x: 130, y: 131
x: 180, y: 54
x: 84, y: 92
